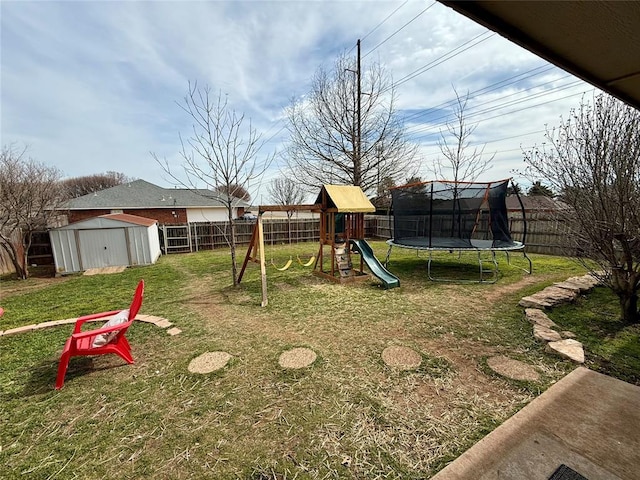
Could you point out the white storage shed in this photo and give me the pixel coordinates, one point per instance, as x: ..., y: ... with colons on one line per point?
x: 111, y: 240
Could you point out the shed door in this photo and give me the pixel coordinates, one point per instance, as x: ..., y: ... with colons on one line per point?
x: 103, y: 248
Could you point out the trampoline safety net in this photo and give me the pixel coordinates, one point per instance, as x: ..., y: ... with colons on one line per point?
x: 452, y: 215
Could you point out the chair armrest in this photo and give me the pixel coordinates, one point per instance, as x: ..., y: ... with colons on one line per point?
x: 93, y: 316
x: 99, y: 331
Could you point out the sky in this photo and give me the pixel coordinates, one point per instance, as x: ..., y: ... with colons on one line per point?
x: 94, y: 86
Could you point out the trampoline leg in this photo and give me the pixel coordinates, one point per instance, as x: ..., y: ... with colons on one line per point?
x: 530, y: 271
x: 524, y: 254
x: 429, y: 269
x: 386, y: 260
x: 494, y: 270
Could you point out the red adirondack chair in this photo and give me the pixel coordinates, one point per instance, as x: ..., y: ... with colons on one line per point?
x: 84, y: 343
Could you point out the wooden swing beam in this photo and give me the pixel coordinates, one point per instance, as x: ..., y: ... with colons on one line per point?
x: 257, y: 241
x: 313, y: 207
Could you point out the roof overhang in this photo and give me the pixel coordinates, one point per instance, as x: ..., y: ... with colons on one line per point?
x: 597, y: 41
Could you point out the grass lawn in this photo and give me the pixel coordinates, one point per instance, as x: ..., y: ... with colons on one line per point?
x: 348, y: 415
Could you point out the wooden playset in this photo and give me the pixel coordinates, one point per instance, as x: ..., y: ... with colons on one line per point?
x: 341, y: 209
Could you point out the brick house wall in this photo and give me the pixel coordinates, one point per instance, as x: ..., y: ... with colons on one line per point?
x: 79, y: 215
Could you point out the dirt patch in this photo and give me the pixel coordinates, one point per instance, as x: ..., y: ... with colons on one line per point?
x: 32, y: 284
x: 285, y: 287
x: 513, y: 369
x: 500, y: 291
x: 404, y: 358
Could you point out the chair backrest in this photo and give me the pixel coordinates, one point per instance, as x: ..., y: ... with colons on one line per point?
x: 137, y: 300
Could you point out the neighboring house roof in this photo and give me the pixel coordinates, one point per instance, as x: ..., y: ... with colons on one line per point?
x: 142, y: 194
x: 532, y: 203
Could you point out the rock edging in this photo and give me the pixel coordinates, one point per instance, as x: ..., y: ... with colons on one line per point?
x: 558, y: 343
x: 157, y: 321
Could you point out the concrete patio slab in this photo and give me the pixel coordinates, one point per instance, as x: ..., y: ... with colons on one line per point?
x: 587, y: 421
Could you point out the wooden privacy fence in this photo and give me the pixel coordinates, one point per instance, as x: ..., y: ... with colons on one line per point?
x: 193, y: 237
x: 544, y: 232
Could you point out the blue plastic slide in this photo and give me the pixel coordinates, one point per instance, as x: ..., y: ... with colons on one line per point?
x: 388, y: 279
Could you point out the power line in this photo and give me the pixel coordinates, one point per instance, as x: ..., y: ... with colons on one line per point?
x: 447, y: 56
x: 398, y: 30
x: 506, y: 138
x: 489, y: 88
x: 519, y: 109
x: 382, y: 22
x: 443, y: 119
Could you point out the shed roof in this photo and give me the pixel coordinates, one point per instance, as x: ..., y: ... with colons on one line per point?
x: 142, y: 194
x: 110, y: 220
x: 345, y: 198
x: 133, y: 219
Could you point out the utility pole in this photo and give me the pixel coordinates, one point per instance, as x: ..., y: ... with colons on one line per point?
x: 358, y: 164
x: 357, y: 147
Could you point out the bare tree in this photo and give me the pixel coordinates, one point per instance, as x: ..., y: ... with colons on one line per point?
x: 79, y: 186
x: 593, y: 159
x: 324, y: 145
x: 30, y: 192
x: 221, y: 152
x: 285, y: 191
x: 462, y: 161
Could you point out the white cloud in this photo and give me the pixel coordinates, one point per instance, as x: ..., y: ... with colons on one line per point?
x: 92, y: 86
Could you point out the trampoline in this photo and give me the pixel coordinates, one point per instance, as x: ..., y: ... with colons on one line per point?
x: 456, y: 217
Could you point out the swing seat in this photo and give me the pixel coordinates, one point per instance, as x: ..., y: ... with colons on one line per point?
x: 309, y: 263
x: 286, y: 266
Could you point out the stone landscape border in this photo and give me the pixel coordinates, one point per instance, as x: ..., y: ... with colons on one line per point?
x: 561, y: 343
x: 157, y: 321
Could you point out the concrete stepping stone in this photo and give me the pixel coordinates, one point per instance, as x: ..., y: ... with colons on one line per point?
x: 174, y: 331
x: 403, y: 358
x: 209, y: 362
x: 538, y: 317
x: 568, y: 348
x: 299, y: 357
x: 513, y: 369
